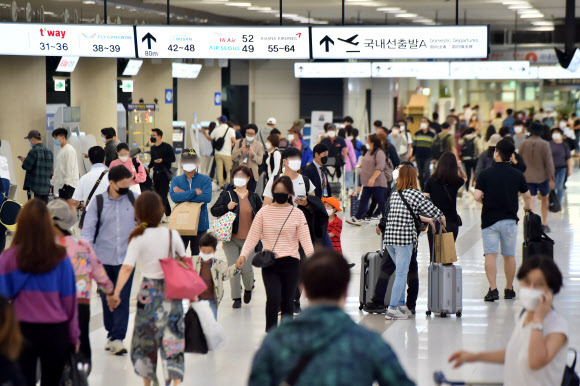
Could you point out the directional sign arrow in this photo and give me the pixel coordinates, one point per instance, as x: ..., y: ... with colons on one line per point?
x: 378, y: 68
x: 301, y: 68
x: 327, y: 41
x: 59, y: 85
x: 149, y: 37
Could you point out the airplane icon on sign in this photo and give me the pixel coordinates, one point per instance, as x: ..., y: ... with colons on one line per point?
x: 350, y: 40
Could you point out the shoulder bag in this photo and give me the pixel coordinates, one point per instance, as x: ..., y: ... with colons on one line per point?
x: 222, y: 226
x: 266, y: 258
x: 218, y: 143
x: 84, y: 208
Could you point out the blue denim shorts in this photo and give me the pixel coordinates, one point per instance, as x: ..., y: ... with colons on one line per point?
x: 543, y: 188
x: 503, y: 232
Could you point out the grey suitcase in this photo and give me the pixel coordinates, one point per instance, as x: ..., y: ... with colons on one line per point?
x: 445, y: 290
x: 371, y: 264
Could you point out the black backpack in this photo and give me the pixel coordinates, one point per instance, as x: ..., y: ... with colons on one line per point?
x: 439, y: 146
x: 533, y: 227
x: 468, y: 149
x: 218, y: 143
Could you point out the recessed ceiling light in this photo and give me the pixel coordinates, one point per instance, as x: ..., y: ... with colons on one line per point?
x: 273, y: 11
x: 532, y: 16
x: 514, y: 2
x: 253, y: 8
x: 529, y: 11
x: 521, y: 6
x: 542, y: 23
x: 406, y: 15
x: 543, y: 28
x: 238, y: 4
x: 389, y: 9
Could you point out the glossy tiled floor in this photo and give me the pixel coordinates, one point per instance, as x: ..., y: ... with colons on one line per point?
x: 422, y: 343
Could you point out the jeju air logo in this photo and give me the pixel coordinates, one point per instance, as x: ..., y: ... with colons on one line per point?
x: 52, y: 33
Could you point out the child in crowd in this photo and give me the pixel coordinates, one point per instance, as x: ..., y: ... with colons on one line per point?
x: 213, y: 271
x: 332, y: 206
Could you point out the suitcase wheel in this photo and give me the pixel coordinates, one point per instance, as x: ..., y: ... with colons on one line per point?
x: 428, y: 313
x: 360, y: 307
x: 443, y: 315
x: 458, y: 314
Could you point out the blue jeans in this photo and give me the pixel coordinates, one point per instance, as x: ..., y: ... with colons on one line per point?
x: 504, y: 232
x: 213, y: 306
x: 423, y: 169
x: 378, y: 193
x: 116, y: 321
x: 349, y: 180
x: 560, y: 178
x: 401, y: 255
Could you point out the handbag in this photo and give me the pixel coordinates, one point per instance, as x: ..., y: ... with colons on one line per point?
x: 266, y: 258
x: 570, y: 376
x: 222, y: 226
x: 73, y: 374
x: 195, y: 341
x: 181, y: 280
x: 212, y: 330
x: 459, y: 220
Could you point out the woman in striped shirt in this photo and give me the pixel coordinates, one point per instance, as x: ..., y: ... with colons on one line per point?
x: 281, y: 228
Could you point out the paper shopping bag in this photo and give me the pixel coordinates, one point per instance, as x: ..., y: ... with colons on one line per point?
x: 446, y: 254
x: 185, y: 218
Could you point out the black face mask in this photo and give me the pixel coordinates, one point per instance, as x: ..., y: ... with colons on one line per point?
x: 281, y: 198
x: 324, y: 160
x: 153, y: 139
x: 122, y: 191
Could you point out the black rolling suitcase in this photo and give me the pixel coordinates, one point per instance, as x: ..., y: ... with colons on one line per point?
x: 536, y: 242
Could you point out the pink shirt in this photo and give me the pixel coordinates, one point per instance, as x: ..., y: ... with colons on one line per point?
x: 350, y: 164
x: 87, y: 267
x: 140, y: 176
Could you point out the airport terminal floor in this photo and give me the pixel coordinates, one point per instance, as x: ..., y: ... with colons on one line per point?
x: 422, y: 343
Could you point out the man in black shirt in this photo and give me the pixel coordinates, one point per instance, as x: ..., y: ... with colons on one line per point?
x: 337, y: 151
x: 497, y: 188
x: 162, y: 156
x: 108, y: 136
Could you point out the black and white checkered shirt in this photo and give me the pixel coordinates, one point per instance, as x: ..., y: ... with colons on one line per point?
x: 400, y: 227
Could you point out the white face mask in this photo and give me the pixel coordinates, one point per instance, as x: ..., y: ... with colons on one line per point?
x: 268, y: 144
x: 250, y: 139
x: 518, y: 129
x: 332, y: 134
x: 290, y: 137
x: 402, y: 127
x: 295, y: 164
x: 103, y: 139
x: 330, y: 211
x: 395, y: 174
x: 557, y: 136
x: 424, y: 125
x: 395, y: 132
x: 124, y: 158
x: 239, y: 182
x: 206, y: 257
x: 562, y: 124
x: 530, y: 298
x: 189, y: 167
x: 349, y: 137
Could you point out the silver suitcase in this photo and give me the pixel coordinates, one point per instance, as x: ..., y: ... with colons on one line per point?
x: 370, y: 270
x: 445, y: 293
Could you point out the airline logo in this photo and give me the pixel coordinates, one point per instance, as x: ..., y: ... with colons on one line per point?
x: 88, y: 36
x: 52, y: 33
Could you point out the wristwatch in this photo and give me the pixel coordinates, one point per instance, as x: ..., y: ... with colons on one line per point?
x: 537, y: 326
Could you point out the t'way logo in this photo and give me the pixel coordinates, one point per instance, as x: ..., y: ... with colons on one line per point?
x: 48, y: 32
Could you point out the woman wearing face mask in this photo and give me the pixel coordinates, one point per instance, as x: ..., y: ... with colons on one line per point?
x: 356, y: 143
x: 133, y: 164
x: 249, y: 153
x: 281, y: 228
x: 403, y: 132
x: 562, y: 161
x: 520, y: 133
x: 399, y: 142
x: 158, y: 321
x: 296, y: 141
x: 274, y: 158
x: 537, y: 350
x: 245, y: 205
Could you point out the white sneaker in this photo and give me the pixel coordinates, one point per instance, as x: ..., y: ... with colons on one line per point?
x: 118, y: 348
x: 395, y: 314
x: 108, y: 345
x: 405, y: 310
x: 353, y: 221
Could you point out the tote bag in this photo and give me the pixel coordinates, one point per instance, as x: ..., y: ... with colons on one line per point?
x: 222, y: 226
x: 181, y: 280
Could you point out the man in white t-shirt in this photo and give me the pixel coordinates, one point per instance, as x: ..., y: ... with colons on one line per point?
x: 291, y: 161
x: 89, y: 180
x: 223, y: 156
x: 66, y: 167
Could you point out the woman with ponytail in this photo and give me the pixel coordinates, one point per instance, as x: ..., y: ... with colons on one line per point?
x: 158, y: 321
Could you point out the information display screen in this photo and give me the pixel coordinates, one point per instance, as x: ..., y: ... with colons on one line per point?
x: 67, y: 40
x: 223, y: 42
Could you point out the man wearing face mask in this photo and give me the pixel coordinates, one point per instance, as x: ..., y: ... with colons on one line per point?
x: 337, y: 152
x: 162, y: 156
x: 66, y: 171
x: 422, y: 144
x: 291, y: 163
x: 192, y: 186
x: 250, y: 153
x: 520, y: 133
x: 317, y: 173
x: 38, y: 167
x: 109, y: 221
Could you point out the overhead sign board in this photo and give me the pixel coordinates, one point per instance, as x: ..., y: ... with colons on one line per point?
x: 490, y: 70
x: 66, y: 39
x: 332, y: 70
x: 410, y: 69
x: 377, y: 42
x: 223, y: 42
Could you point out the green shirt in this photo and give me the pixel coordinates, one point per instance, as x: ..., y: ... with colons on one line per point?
x: 38, y: 166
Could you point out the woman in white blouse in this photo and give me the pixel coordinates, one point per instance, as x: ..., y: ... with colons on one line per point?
x: 537, y: 350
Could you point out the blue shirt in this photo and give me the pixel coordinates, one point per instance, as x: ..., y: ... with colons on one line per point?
x: 198, y: 181
x: 509, y: 122
x: 117, y: 223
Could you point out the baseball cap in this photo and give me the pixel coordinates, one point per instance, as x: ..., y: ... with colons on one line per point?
x: 223, y: 119
x: 493, y: 140
x: 33, y: 134
x: 332, y: 201
x: 271, y: 121
x: 61, y: 214
x: 188, y: 155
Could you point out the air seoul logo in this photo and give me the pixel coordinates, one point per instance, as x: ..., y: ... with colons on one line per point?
x: 52, y: 33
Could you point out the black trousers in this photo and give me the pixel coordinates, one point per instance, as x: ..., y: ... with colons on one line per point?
x: 161, y: 185
x: 31, y: 195
x: 193, y: 241
x: 48, y: 342
x: 469, y: 169
x: 280, y: 280
x: 84, y: 319
x: 66, y: 192
x: 387, y: 270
